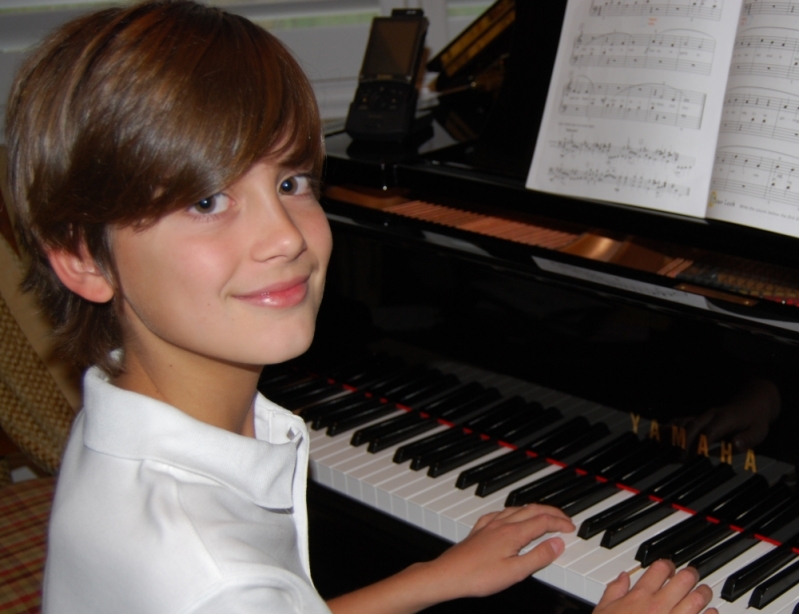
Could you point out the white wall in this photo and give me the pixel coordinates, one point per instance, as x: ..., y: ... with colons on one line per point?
x: 327, y: 36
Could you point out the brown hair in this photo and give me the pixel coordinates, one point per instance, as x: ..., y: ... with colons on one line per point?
x: 128, y: 114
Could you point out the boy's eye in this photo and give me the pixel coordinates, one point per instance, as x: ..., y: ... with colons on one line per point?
x: 295, y: 185
x: 213, y: 204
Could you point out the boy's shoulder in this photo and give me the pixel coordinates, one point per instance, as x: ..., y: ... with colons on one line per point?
x: 146, y: 490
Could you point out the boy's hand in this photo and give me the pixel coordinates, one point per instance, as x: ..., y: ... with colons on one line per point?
x: 488, y: 560
x: 485, y: 562
x: 658, y: 591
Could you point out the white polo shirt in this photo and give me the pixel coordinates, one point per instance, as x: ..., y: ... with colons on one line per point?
x: 156, y: 512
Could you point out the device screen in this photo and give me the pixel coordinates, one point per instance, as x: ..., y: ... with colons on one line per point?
x: 392, y: 48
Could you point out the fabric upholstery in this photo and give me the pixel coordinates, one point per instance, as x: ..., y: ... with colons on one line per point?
x: 24, y: 513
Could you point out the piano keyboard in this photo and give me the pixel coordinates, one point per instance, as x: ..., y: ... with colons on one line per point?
x: 514, y: 442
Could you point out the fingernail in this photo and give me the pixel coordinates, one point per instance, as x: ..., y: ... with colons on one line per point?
x: 557, y: 545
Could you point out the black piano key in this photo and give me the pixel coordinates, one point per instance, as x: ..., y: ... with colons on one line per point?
x: 368, y: 371
x: 630, y: 473
x: 274, y: 375
x: 368, y: 433
x: 387, y: 440
x: 517, y: 458
x: 285, y: 382
x: 597, y: 432
x: 629, y: 527
x: 455, y: 397
x: 382, y: 382
x: 579, y: 487
x: 426, y: 444
x: 334, y: 410
x: 460, y: 400
x: 699, y: 528
x: 287, y: 396
x: 758, y: 571
x: 775, y: 586
x: 581, y: 440
x: 612, y: 453
x: 356, y: 418
x: 429, y: 394
x: 324, y: 400
x: 321, y: 395
x: 532, y: 492
x: 491, y: 467
x: 774, y: 515
x: 462, y: 414
x: 459, y: 459
x: 512, y: 420
x: 705, y: 540
x: 451, y: 446
x: 311, y: 412
x: 665, y: 487
x: 524, y: 434
x: 493, y: 419
x: 524, y: 468
x: 559, y: 436
x: 562, y: 442
x: 415, y: 378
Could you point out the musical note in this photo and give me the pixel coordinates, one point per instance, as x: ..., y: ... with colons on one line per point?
x: 612, y: 154
x: 691, y: 9
x: 768, y: 178
x: 645, y: 102
x: 761, y: 112
x: 617, y: 181
x: 762, y: 7
x: 766, y: 52
x: 678, y: 52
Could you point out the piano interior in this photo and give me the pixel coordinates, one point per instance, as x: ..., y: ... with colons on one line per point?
x: 490, y: 337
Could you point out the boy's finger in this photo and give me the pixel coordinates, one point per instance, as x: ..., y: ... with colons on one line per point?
x: 655, y: 577
x: 682, y: 585
x: 484, y: 520
x: 541, y: 556
x: 534, y: 509
x: 615, y: 590
x: 535, y: 527
x: 695, y: 601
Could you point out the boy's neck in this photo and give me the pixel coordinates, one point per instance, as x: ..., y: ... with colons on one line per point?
x: 218, y: 394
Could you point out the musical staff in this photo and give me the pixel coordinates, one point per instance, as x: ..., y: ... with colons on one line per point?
x: 761, y: 112
x: 618, y: 182
x: 765, y: 54
x: 678, y: 52
x: 646, y: 102
x: 767, y: 178
x: 613, y: 154
x: 690, y: 9
x: 763, y: 7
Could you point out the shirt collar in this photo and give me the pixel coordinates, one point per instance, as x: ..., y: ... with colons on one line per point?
x: 130, y: 425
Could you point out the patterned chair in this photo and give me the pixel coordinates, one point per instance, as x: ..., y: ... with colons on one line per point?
x: 38, y: 397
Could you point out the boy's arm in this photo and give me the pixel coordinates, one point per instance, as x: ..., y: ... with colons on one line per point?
x: 488, y: 561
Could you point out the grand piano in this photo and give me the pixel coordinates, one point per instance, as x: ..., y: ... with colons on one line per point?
x: 481, y: 344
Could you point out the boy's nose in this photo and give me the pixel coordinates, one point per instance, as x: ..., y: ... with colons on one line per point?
x: 275, y: 234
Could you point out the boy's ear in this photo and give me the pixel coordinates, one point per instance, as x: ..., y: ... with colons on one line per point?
x: 81, y: 274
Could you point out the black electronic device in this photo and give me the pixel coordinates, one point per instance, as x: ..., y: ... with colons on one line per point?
x: 385, y: 101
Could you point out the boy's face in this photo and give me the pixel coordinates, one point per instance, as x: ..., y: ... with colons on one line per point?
x: 237, y: 277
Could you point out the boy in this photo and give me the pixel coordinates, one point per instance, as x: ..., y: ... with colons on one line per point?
x: 163, y: 162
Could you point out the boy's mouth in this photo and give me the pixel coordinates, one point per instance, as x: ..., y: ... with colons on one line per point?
x: 280, y: 295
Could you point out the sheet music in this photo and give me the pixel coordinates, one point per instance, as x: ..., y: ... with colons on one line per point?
x: 635, y: 102
x: 756, y: 171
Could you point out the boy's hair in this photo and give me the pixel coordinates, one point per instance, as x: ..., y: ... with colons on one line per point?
x: 128, y: 114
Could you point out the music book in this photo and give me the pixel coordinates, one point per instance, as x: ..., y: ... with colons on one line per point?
x: 685, y: 106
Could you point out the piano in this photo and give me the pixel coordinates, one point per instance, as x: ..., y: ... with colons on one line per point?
x: 481, y: 344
